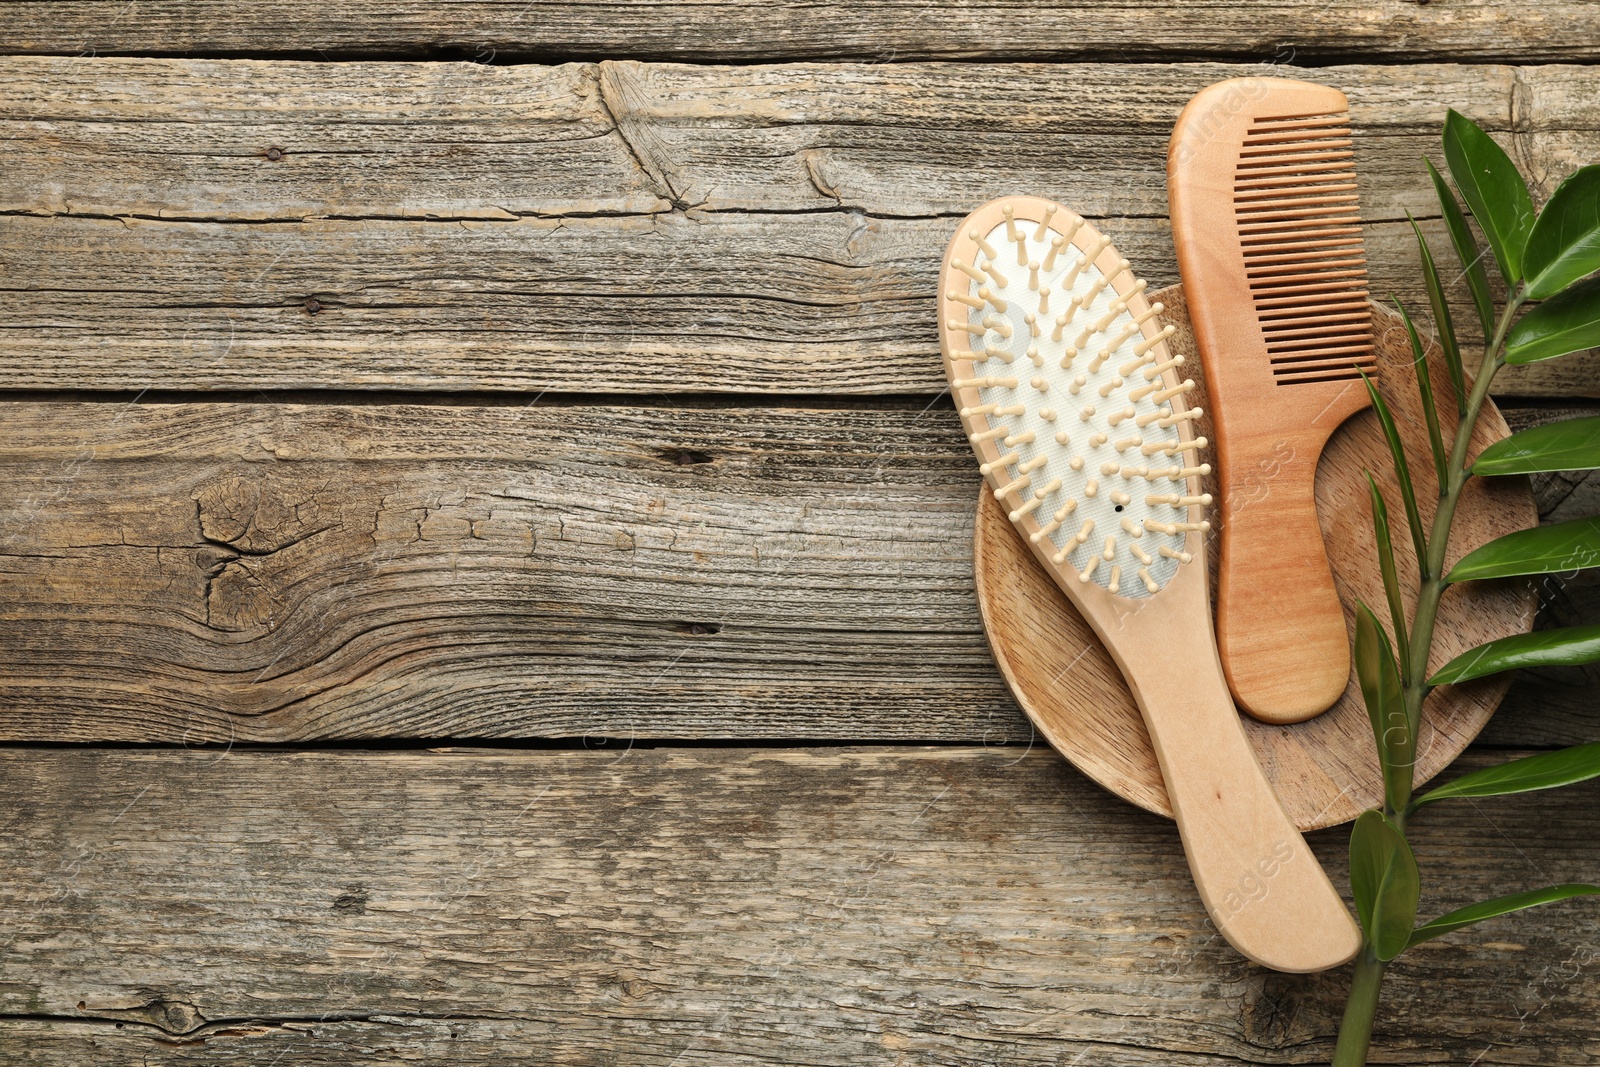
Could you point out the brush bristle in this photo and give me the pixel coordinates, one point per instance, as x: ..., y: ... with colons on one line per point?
x: 1071, y: 401
x: 1295, y: 203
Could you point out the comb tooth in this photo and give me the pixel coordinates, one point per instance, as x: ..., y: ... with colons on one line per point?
x: 1311, y: 283
x: 1181, y: 557
x: 963, y: 298
x: 1126, y: 443
x: 1110, y: 552
x: 1182, y: 416
x: 988, y: 297
x: 1023, y: 438
x: 1119, y: 497
x: 1310, y: 175
x: 1311, y: 195
x: 1032, y: 465
x: 1133, y: 546
x: 976, y: 331
x: 1302, y: 237
x: 1264, y: 211
x: 1262, y: 262
x: 1088, y: 571
x: 1258, y: 158
x: 988, y: 435
x: 1193, y: 472
x: 1049, y: 415
x: 1044, y: 299
x: 1149, y: 582
x: 1326, y: 218
x: 1112, y: 385
x: 985, y: 246
x: 1143, y: 390
x: 1108, y: 469
x: 1135, y: 531
x: 1011, y: 223
x: 1115, y: 584
x: 1097, y: 439
x: 1091, y: 487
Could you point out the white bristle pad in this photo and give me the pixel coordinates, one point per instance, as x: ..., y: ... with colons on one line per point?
x: 1088, y: 399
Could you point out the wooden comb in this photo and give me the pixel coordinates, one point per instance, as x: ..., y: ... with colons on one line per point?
x: 1261, y: 176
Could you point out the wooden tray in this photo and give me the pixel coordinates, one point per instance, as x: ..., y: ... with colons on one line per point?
x: 1325, y: 769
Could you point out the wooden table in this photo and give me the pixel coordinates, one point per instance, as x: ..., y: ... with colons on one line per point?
x: 485, y: 552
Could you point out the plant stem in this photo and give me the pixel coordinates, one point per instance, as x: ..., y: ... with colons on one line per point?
x: 1433, y: 583
x: 1355, y: 1032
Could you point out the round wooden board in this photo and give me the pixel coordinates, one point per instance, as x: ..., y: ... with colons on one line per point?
x: 1325, y: 769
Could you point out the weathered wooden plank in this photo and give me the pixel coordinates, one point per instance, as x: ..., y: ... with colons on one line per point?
x: 509, y: 30
x: 752, y: 229
x: 261, y: 572
x: 693, y: 907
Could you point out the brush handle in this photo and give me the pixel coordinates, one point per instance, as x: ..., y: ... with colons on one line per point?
x: 1280, y: 624
x: 1263, y: 888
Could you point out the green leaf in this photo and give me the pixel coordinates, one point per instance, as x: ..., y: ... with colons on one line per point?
x: 1443, y: 325
x: 1548, y: 770
x: 1569, y: 445
x: 1489, y: 909
x: 1569, y: 322
x: 1493, y: 189
x: 1564, y: 244
x: 1383, y: 879
x: 1565, y: 647
x: 1564, y: 546
x: 1430, y: 411
x: 1391, y: 580
x: 1392, y: 728
x: 1402, y: 471
x: 1467, y: 250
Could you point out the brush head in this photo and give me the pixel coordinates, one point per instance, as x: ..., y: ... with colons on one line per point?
x: 1060, y: 371
x: 1261, y: 173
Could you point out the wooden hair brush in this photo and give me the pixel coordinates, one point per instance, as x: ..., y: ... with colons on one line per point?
x: 1261, y: 178
x: 1060, y: 371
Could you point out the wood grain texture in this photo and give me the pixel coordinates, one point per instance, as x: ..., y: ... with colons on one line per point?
x: 253, y: 572
x: 1324, y: 770
x: 615, y: 227
x: 952, y: 906
x: 496, y: 30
